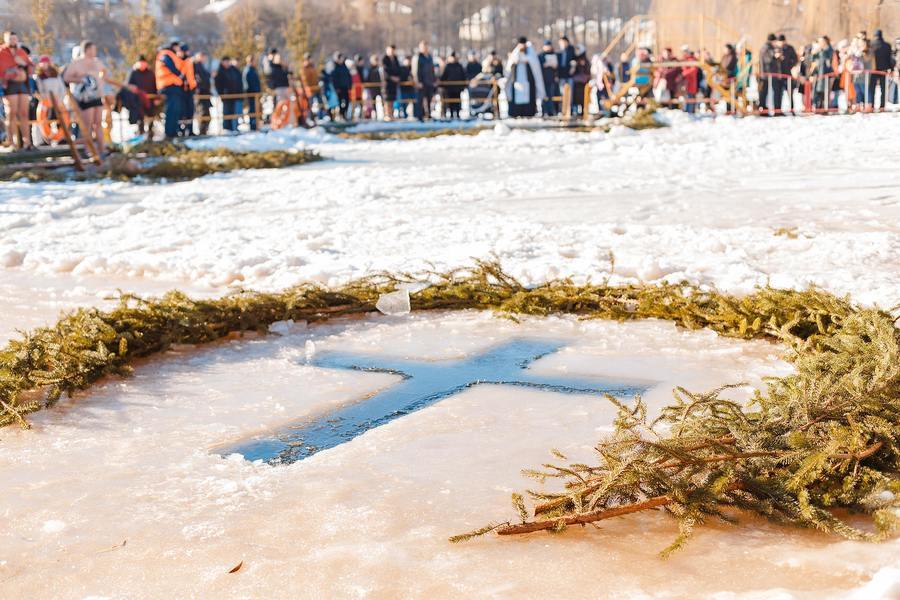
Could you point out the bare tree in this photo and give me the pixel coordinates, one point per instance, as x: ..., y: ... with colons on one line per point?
x: 42, y: 36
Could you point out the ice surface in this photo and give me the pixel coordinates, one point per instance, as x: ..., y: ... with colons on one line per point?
x: 133, y: 462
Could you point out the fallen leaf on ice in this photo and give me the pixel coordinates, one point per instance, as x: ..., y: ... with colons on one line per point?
x: 111, y: 548
x: 237, y: 567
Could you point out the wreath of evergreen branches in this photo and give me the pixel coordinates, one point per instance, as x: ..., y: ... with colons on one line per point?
x: 811, y: 449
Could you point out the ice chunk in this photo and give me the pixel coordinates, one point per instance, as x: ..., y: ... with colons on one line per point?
x: 310, y: 350
x: 287, y: 327
x: 395, y: 303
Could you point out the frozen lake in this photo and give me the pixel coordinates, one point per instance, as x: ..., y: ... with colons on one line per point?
x: 134, y: 460
x: 736, y: 204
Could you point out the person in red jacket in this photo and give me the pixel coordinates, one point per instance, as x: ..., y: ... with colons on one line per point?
x: 142, y: 81
x: 356, y: 88
x: 690, y: 80
x: 15, y: 70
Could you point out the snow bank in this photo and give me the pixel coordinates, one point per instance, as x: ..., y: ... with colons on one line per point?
x: 701, y: 201
x: 260, y: 141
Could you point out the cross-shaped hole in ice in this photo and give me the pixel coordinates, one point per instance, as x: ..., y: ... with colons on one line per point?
x: 423, y: 384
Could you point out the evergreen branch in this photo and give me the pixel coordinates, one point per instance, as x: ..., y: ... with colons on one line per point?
x: 822, y: 438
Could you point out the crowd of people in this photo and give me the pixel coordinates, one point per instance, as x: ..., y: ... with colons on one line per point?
x: 546, y: 80
x: 821, y: 72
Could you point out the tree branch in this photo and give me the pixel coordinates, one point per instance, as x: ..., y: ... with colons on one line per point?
x: 584, y: 518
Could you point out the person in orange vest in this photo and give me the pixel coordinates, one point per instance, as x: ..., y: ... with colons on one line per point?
x: 190, y: 87
x: 171, y: 82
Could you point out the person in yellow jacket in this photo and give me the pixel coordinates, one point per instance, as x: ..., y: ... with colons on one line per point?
x: 171, y: 82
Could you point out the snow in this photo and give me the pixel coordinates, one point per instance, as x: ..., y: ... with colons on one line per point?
x: 395, y: 126
x: 120, y: 493
x: 217, y: 6
x: 701, y: 201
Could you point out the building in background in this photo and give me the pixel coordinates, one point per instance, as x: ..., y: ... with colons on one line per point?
x: 699, y: 22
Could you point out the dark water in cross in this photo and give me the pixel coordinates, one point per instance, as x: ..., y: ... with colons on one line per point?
x: 424, y: 383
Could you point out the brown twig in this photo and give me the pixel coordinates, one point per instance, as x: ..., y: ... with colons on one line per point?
x: 590, y: 517
x: 862, y: 454
x: 719, y: 458
x: 15, y: 414
x: 597, y: 515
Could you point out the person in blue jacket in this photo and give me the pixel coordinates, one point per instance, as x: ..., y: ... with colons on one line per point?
x: 565, y: 65
x: 252, y: 85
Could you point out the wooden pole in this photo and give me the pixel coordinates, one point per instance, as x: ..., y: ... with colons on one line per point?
x: 57, y: 106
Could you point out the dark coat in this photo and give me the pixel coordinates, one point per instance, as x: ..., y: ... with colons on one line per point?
x: 408, y: 89
x: 822, y: 65
x: 229, y: 80
x: 528, y: 109
x: 789, y: 60
x: 341, y: 78
x: 473, y: 69
x: 423, y: 69
x: 767, y: 61
x: 566, y: 57
x: 277, y: 76
x: 453, y: 71
x: 373, y: 75
x: 143, y: 79
x: 390, y: 65
x: 550, y: 74
x: 251, y: 80
x: 203, y: 79
x: 882, y: 53
x: 581, y: 75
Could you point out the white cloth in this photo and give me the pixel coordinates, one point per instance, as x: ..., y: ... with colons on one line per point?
x: 599, y: 71
x: 521, y: 85
x: 516, y: 74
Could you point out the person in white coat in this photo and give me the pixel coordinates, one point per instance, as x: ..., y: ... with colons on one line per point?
x: 524, y: 81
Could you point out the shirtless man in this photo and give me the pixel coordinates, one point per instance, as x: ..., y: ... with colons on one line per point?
x: 86, y: 76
